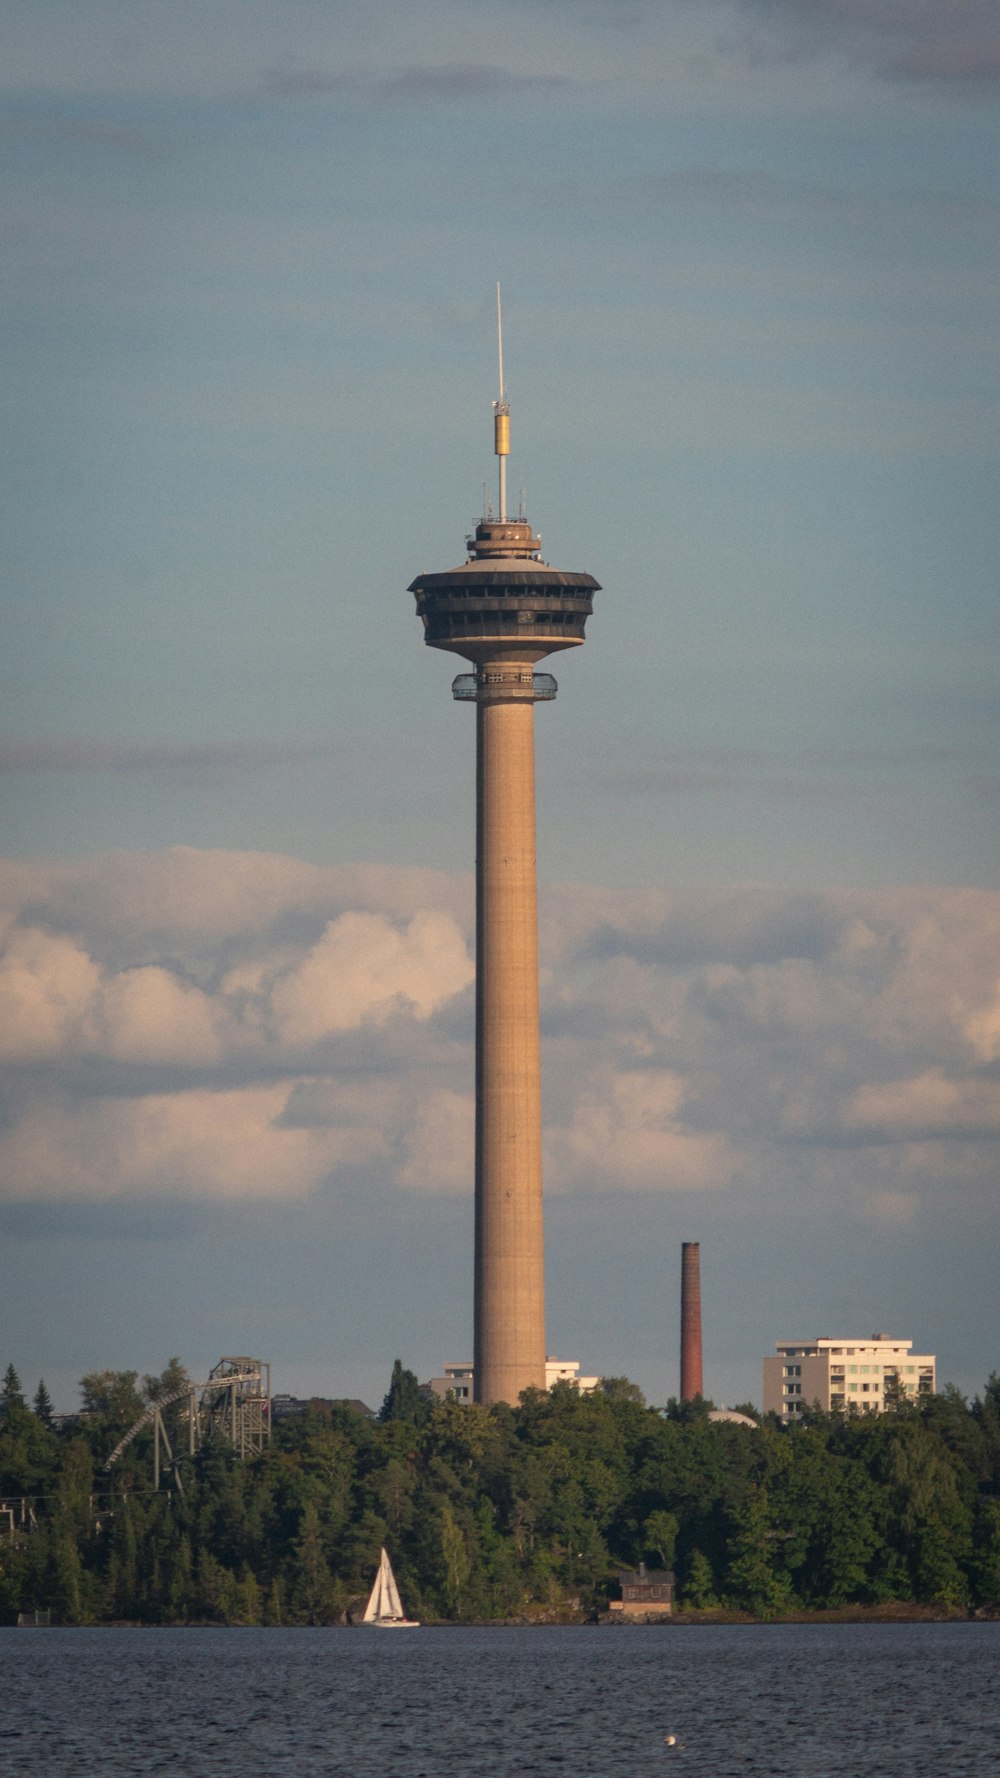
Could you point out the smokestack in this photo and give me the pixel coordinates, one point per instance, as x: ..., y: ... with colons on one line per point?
x: 691, y: 1380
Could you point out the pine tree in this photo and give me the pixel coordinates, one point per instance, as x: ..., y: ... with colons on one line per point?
x: 403, y: 1399
x: 42, y: 1404
x: 11, y: 1395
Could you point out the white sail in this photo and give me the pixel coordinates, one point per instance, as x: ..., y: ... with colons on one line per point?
x: 392, y: 1605
x: 374, y: 1600
x: 384, y: 1604
x: 375, y: 1610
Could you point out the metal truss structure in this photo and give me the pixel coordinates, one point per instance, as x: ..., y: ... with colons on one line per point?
x: 236, y: 1404
x: 233, y: 1404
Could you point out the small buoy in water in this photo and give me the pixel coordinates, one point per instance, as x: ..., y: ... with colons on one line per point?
x: 672, y: 1741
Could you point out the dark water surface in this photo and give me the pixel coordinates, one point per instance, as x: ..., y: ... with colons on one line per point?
x: 789, y: 1701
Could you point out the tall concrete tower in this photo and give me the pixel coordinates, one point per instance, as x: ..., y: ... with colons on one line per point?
x: 691, y: 1378
x: 504, y: 610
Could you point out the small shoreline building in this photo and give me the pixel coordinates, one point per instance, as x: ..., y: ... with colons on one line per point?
x: 645, y: 1593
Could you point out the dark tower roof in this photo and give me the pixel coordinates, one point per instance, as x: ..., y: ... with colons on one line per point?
x: 504, y: 597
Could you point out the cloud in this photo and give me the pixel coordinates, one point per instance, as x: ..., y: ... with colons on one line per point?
x: 363, y: 966
x: 928, y: 1106
x: 626, y: 1133
x: 47, y: 987
x: 440, y: 1148
x: 249, y: 47
x: 982, y: 1028
x: 228, y: 1145
x: 449, y: 81
x: 57, y: 1001
x: 919, y: 40
x: 187, y: 758
x: 445, y: 52
x: 193, y: 1026
x: 148, y: 1015
x: 192, y: 902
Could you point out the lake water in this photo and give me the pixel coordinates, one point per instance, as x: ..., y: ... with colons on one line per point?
x: 788, y: 1701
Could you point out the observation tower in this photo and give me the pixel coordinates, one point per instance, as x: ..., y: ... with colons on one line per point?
x: 504, y: 610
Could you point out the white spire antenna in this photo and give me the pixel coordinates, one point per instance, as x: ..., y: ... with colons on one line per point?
x: 501, y: 418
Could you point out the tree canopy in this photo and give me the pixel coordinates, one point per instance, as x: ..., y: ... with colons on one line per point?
x: 495, y: 1514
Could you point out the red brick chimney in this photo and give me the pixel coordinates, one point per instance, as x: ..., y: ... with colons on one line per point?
x: 691, y: 1379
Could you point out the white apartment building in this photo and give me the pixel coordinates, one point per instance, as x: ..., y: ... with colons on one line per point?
x: 844, y: 1374
x: 459, y: 1379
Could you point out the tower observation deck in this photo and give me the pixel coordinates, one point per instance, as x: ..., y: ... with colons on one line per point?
x: 504, y: 609
x: 504, y: 598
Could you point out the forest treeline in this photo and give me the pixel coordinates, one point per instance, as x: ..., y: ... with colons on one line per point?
x: 496, y: 1514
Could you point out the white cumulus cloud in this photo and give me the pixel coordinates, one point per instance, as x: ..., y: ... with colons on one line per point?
x: 211, y: 1025
x: 440, y: 1146
x: 199, y: 1145
x: 627, y: 1132
x: 364, y: 965
x: 47, y: 987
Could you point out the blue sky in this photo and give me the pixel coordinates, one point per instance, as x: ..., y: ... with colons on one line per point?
x: 749, y: 254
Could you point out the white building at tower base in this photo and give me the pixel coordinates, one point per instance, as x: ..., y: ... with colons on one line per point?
x: 459, y: 1379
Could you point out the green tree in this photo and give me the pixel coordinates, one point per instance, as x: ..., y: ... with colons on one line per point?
x: 42, y: 1404
x: 752, y: 1582
x: 985, y: 1563
x: 622, y: 1389
x: 403, y: 1402
x: 311, y: 1576
x: 927, y: 1522
x: 660, y: 1533
x: 111, y: 1404
x: 455, y: 1555
x: 11, y: 1396
x: 180, y: 1593
x: 698, y: 1585
x: 29, y: 1450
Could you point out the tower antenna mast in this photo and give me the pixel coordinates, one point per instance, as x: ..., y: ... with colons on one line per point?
x: 501, y: 419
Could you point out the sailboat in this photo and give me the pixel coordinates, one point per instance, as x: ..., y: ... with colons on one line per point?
x: 384, y: 1606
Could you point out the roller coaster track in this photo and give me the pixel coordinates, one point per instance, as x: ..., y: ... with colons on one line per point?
x: 190, y: 1390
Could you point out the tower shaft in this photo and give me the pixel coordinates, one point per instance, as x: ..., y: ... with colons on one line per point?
x: 509, y: 1274
x: 691, y: 1377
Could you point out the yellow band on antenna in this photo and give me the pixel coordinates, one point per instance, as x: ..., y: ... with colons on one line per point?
x: 501, y: 435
